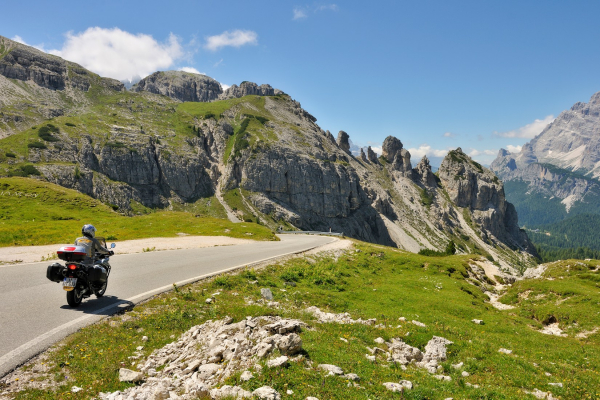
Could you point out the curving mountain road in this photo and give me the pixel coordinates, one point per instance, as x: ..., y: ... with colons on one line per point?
x: 34, y: 312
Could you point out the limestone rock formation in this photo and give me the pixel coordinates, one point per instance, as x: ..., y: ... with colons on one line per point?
x: 424, y: 174
x: 36, y: 86
x: 144, y: 150
x: 471, y: 186
x: 343, y: 141
x: 395, y: 154
x: 183, y: 86
x: 371, y: 155
x: 248, y: 88
x: 563, y: 161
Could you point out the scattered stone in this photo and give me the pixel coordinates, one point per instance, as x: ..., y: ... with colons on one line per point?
x: 266, y: 393
x: 246, y: 376
x: 547, y: 374
x: 371, y: 358
x: 445, y: 378
x: 127, y: 375
x: 417, y: 323
x: 227, y: 391
x: 398, y: 387
x: 266, y: 294
x: 465, y: 374
x: 435, y: 353
x: 277, y: 362
x: 477, y: 321
x: 76, y: 389
x: 332, y: 369
x: 144, y: 338
x: 505, y: 351
x: 311, y: 398
x: 553, y: 329
x: 402, y: 319
x: 558, y: 384
x: 351, y: 377
x: 209, y: 300
x: 139, y: 348
x: 472, y: 385
x: 379, y: 340
x: 458, y: 366
x: 342, y: 318
x: 344, y: 340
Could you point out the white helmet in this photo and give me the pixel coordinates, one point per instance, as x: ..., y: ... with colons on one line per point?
x: 88, y: 230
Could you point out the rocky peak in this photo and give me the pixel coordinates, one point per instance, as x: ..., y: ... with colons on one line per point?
x: 423, y: 173
x: 472, y: 186
x: 180, y: 85
x: 371, y: 155
x: 248, y: 88
x: 396, y: 155
x: 25, y: 63
x: 343, y: 141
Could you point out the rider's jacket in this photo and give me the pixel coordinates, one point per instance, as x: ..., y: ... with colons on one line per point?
x: 92, y: 246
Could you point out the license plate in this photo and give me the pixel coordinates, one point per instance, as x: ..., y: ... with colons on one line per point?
x: 69, y: 283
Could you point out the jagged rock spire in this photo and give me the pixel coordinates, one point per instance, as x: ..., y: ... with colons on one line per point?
x: 343, y: 141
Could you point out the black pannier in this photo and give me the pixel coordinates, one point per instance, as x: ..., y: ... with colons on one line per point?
x: 97, y: 274
x: 55, y: 272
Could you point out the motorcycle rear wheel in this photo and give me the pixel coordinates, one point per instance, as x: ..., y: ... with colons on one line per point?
x: 74, y: 297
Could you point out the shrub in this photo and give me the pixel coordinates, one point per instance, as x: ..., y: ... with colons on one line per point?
x: 36, y: 145
x: 209, y: 115
x: 24, y: 170
x: 70, y: 124
x: 11, y: 155
x: 45, y: 132
x: 77, y: 173
x: 115, y: 145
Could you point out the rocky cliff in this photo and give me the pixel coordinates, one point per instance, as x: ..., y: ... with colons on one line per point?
x: 183, y: 86
x: 265, y: 157
x: 35, y: 86
x: 562, y: 162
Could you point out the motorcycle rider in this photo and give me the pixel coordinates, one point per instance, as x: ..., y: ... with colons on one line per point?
x: 91, y: 244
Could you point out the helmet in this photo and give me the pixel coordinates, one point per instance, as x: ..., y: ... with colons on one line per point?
x: 88, y: 230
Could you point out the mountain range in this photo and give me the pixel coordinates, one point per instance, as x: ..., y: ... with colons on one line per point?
x: 176, y: 138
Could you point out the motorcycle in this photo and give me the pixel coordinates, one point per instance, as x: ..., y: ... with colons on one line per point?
x: 80, y: 280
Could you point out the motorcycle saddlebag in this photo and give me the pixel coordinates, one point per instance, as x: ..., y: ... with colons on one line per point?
x: 97, y: 274
x: 55, y: 272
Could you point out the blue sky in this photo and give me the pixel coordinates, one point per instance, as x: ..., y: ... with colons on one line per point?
x: 436, y: 74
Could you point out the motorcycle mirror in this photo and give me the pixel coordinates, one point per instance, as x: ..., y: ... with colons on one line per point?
x: 112, y: 245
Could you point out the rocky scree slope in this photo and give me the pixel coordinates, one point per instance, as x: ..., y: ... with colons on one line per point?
x: 562, y: 163
x: 133, y: 149
x: 35, y: 86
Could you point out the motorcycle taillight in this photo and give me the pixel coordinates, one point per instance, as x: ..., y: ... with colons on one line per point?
x: 72, y: 267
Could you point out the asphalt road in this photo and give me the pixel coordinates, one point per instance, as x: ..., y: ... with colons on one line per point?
x: 34, y: 313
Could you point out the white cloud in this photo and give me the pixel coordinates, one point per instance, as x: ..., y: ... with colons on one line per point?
x: 528, y: 131
x: 449, y: 134
x: 426, y: 150
x: 18, y: 39
x: 119, y: 54
x: 299, y: 14
x: 236, y: 38
x: 218, y: 63
x: 302, y: 12
x: 475, y: 152
x: 191, y: 70
x: 514, y: 149
x: 332, y: 7
x: 225, y: 87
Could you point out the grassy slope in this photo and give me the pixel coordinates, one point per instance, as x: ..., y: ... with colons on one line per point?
x: 375, y: 282
x: 33, y: 212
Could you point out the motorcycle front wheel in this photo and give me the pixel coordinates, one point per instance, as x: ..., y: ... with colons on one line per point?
x: 99, y: 293
x: 74, y: 297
